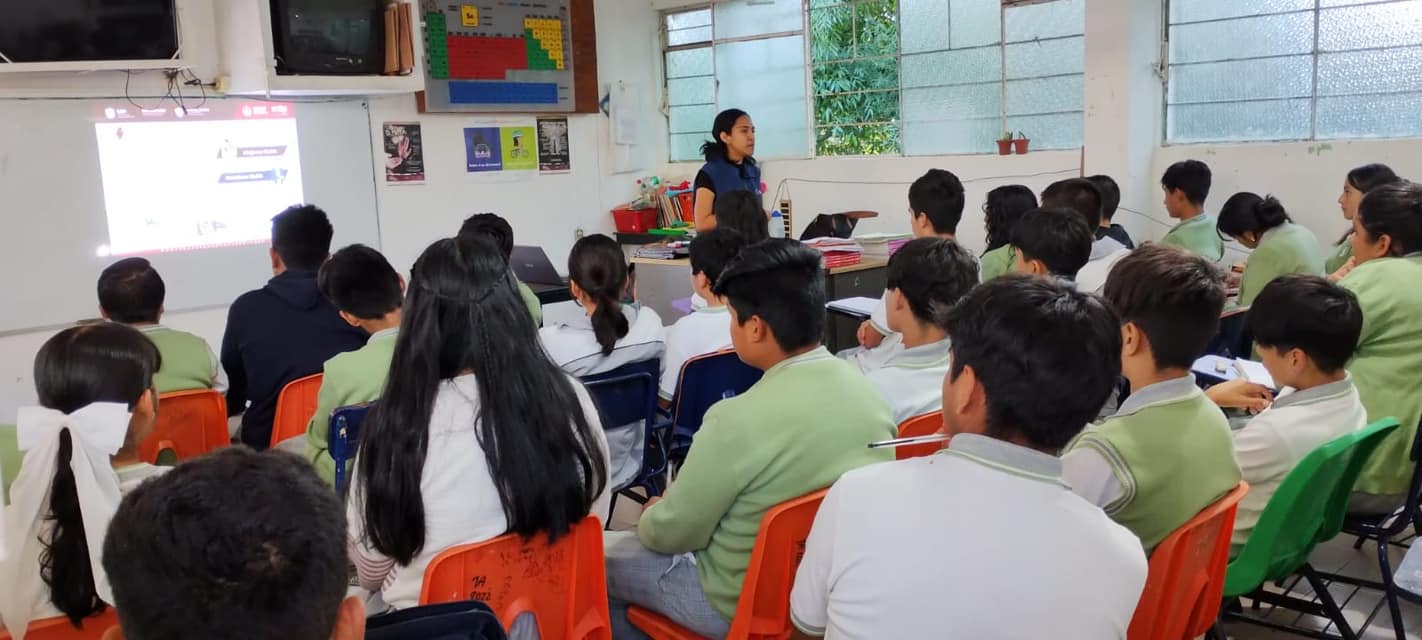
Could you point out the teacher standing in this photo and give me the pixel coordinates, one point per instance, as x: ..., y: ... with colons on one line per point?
x: 729, y: 164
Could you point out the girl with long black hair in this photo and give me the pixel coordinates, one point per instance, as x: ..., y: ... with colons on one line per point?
x: 1356, y: 184
x: 476, y: 434
x: 1002, y: 209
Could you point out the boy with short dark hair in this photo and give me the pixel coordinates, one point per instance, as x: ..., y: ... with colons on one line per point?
x: 285, y: 330
x: 1051, y: 242
x: 1166, y: 453
x: 1110, y: 202
x: 809, y: 419
x: 369, y: 294
x: 1187, y: 185
x: 494, y: 227
x: 1082, y: 196
x: 131, y: 292
x: 706, y: 329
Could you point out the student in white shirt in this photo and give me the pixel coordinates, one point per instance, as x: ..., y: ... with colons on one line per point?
x: 1082, y: 196
x: 609, y: 335
x: 1306, y: 329
x: 476, y: 435
x: 706, y: 329
x: 967, y: 556
x: 925, y: 276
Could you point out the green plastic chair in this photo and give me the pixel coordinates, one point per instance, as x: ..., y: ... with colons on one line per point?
x: 1306, y: 510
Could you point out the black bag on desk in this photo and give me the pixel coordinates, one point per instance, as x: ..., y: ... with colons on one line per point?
x: 829, y: 225
x: 467, y: 620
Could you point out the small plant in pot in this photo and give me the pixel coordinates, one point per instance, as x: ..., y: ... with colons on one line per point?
x: 1020, y: 144
x: 1004, y: 144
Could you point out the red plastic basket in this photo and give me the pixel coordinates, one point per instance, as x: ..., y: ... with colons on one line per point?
x: 634, y: 220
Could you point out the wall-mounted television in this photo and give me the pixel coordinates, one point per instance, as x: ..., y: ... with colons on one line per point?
x: 83, y: 30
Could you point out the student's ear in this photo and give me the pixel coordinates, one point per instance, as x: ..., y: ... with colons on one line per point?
x: 402, y: 282
x: 897, y: 301
x: 277, y: 266
x: 349, y: 318
x: 103, y: 314
x: 1384, y: 245
x: 1132, y: 339
x: 699, y: 281
x: 577, y: 291
x: 758, y: 330
x: 114, y: 633
x: 350, y: 620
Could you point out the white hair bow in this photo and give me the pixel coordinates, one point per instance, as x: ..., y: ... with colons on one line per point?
x: 96, y: 432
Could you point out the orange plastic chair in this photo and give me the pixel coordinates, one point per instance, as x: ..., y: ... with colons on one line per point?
x: 59, y: 628
x: 190, y: 423
x: 763, y: 611
x: 295, y: 406
x: 924, y: 425
x: 564, y: 585
x: 1186, y: 577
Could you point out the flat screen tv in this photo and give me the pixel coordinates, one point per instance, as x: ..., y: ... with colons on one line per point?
x: 81, y: 30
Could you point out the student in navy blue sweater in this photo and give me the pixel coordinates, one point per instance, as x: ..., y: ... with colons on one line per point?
x: 285, y: 330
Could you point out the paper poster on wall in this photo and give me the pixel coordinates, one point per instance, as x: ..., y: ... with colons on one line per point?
x: 404, y: 153
x: 482, y: 149
x: 553, y: 156
x: 520, y: 148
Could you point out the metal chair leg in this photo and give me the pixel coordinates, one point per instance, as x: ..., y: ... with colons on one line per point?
x: 1390, y: 590
x: 1320, y: 588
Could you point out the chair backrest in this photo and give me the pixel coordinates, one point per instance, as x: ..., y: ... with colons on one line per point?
x: 1306, y: 509
x: 706, y: 380
x: 626, y: 394
x: 59, y: 628
x: 563, y: 584
x: 295, y: 406
x: 924, y: 425
x: 1233, y: 339
x: 467, y: 620
x: 190, y: 423
x: 1187, y: 572
x: 763, y: 610
x: 343, y: 439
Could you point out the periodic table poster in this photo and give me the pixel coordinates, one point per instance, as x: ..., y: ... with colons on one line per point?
x: 498, y: 56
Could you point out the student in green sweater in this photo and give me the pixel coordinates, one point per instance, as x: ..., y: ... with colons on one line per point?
x: 800, y: 427
x: 369, y: 294
x: 1357, y: 184
x: 131, y: 292
x: 1280, y: 247
x: 1167, y: 452
x: 1186, y: 185
x: 497, y: 229
x: 1003, y: 208
x: 1387, y: 368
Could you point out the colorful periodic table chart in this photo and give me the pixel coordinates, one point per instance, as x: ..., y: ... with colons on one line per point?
x: 498, y: 56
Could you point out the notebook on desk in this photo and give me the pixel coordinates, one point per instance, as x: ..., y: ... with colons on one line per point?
x: 860, y: 307
x: 1224, y: 369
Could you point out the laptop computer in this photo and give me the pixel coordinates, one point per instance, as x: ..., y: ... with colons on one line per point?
x: 533, y: 267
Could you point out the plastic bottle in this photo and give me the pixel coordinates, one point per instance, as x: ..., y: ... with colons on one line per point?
x: 777, y: 224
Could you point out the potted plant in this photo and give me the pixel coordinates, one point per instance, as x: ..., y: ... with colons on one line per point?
x: 1004, y: 144
x: 1020, y: 144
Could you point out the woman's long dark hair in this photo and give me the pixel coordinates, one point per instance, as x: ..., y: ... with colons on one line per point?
x: 715, y: 148
x: 102, y: 362
x: 464, y: 314
x: 1002, y: 209
x: 1247, y: 212
x: 741, y: 211
x: 597, y: 267
x: 1365, y: 179
x: 1394, y: 210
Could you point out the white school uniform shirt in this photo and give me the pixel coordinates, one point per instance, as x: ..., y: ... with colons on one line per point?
x: 965, y: 556
x: 704, y: 330
x: 572, y: 345
x: 871, y: 359
x: 461, y: 501
x: 1105, y: 253
x: 1272, y: 443
x: 911, y: 381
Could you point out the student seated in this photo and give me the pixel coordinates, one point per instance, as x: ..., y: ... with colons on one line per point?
x: 741, y: 211
x: 1387, y: 247
x: 1187, y: 185
x: 984, y: 539
x: 131, y: 292
x: 801, y: 426
x: 1051, y: 242
x: 234, y: 544
x: 610, y: 334
x: 368, y: 292
x: 97, y: 404
x: 706, y: 329
x: 1356, y: 184
x: 1002, y: 210
x: 1280, y: 247
x: 497, y: 230
x: 1305, y: 329
x: 477, y: 435
x: 1167, y: 452
x: 925, y: 276
x: 935, y: 207
x: 285, y: 330
x: 1081, y: 195
x: 1110, y: 202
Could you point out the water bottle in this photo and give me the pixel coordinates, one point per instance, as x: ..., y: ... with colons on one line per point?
x: 777, y: 224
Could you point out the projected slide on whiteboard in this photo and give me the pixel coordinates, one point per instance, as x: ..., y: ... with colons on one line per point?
x: 199, y: 178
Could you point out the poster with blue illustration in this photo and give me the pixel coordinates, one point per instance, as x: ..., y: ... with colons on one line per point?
x: 481, y: 149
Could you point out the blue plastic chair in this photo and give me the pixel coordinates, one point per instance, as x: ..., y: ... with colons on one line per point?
x: 704, y: 381
x: 343, y: 439
x: 623, y: 396
x: 467, y: 620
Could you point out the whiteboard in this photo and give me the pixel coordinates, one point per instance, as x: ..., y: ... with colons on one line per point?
x: 52, y: 210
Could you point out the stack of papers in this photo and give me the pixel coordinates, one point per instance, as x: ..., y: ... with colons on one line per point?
x: 882, y: 245
x: 662, y: 251
x: 838, y: 252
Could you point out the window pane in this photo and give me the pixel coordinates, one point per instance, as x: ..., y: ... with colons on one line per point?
x: 739, y: 18
x: 688, y: 19
x: 1370, y: 116
x: 1378, y: 71
x: 965, y: 102
x: 951, y: 136
x: 858, y: 140
x: 687, y: 146
x: 1049, y: 58
x: 856, y: 75
x: 876, y: 26
x: 688, y: 36
x: 1380, y: 25
x: 1058, y: 131
x: 1243, y: 38
x: 1269, y: 120
x: 854, y: 108
x: 691, y: 91
x: 1290, y: 77
x: 832, y: 33
x: 974, y: 23
x: 1047, y: 20
x: 1192, y: 10
x: 1045, y: 95
x: 689, y: 62
x: 692, y: 119
x: 952, y: 67
x: 769, y: 83
x: 924, y: 24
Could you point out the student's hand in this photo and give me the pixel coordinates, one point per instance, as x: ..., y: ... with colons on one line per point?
x: 869, y: 337
x: 1343, y: 270
x: 651, y: 501
x: 1241, y: 394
